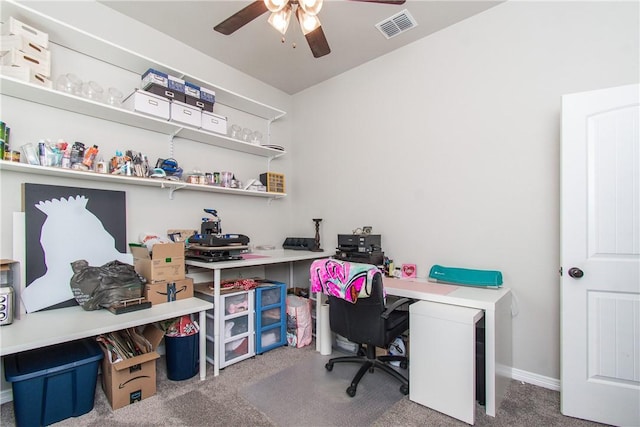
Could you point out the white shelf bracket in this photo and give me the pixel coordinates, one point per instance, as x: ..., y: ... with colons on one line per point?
x: 172, y: 188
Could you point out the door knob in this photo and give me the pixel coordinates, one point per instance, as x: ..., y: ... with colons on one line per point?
x: 575, y: 272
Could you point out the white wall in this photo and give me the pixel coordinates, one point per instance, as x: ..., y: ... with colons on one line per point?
x: 450, y: 147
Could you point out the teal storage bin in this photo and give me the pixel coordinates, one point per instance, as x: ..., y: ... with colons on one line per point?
x: 53, y: 383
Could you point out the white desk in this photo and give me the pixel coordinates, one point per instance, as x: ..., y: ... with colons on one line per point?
x: 43, y: 328
x: 259, y: 258
x: 496, y: 304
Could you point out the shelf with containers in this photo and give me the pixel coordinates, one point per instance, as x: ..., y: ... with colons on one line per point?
x: 100, y: 49
x: 271, y: 317
x: 170, y: 185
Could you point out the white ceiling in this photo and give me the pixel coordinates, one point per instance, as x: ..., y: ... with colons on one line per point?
x: 257, y: 50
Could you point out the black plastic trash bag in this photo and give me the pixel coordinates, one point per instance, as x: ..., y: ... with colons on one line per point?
x: 96, y: 287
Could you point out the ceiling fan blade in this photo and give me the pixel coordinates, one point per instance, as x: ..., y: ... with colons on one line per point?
x: 398, y: 2
x: 241, y: 18
x: 318, y: 43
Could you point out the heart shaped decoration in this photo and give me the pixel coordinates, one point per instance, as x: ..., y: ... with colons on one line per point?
x: 408, y: 271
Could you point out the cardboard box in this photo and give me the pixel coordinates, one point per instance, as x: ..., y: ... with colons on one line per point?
x: 134, y: 379
x: 164, y: 263
x: 168, y: 291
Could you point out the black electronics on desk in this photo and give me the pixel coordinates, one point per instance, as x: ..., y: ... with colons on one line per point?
x: 299, y: 243
x: 362, y: 248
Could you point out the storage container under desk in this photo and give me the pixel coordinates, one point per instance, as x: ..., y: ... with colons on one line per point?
x: 236, y: 324
x: 271, y: 318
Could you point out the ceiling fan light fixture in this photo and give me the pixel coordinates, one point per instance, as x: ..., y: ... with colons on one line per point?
x: 275, y: 5
x: 308, y: 23
x: 280, y: 20
x: 311, y: 7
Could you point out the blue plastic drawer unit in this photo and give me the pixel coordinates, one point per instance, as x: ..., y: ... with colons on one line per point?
x: 271, y: 319
x: 53, y: 383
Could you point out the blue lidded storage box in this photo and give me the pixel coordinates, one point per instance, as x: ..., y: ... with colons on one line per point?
x: 208, y: 98
x: 53, y: 383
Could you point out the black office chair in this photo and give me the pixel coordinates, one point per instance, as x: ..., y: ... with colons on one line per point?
x: 370, y: 323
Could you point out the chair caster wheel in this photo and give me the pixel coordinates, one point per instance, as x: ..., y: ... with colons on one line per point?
x: 351, y: 391
x: 404, y: 389
x: 329, y: 367
x: 404, y: 364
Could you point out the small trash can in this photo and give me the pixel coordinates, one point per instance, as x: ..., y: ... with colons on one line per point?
x: 182, y: 356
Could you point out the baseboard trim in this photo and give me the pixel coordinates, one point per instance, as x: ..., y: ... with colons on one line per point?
x: 535, y: 379
x: 6, y: 396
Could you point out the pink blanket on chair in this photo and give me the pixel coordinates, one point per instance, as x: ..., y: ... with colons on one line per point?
x: 345, y: 280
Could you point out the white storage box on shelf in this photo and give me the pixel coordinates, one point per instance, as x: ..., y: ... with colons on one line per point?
x: 214, y: 122
x: 25, y: 74
x: 19, y: 42
x: 36, y: 36
x: 185, y: 113
x: 22, y: 59
x: 148, y: 103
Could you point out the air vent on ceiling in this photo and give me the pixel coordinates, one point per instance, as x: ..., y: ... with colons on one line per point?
x: 398, y: 23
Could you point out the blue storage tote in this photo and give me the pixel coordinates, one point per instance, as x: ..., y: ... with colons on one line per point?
x: 53, y: 383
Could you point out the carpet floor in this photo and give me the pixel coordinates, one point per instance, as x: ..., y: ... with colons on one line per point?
x: 290, y: 387
x: 307, y: 394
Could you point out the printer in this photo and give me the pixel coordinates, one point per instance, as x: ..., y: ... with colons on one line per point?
x: 362, y: 248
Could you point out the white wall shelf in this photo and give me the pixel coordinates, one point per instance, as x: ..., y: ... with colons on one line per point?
x: 76, y: 104
x: 78, y: 40
x: 131, y: 180
x: 87, y: 44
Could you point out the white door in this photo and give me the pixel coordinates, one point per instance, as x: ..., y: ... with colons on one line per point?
x: 600, y: 286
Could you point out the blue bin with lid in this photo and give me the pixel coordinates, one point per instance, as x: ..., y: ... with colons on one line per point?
x: 53, y: 383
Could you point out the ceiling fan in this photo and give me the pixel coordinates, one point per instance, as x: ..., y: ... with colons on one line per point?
x: 306, y: 12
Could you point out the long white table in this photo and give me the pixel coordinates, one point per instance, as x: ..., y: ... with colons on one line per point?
x: 44, y: 328
x: 496, y: 304
x: 257, y: 258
